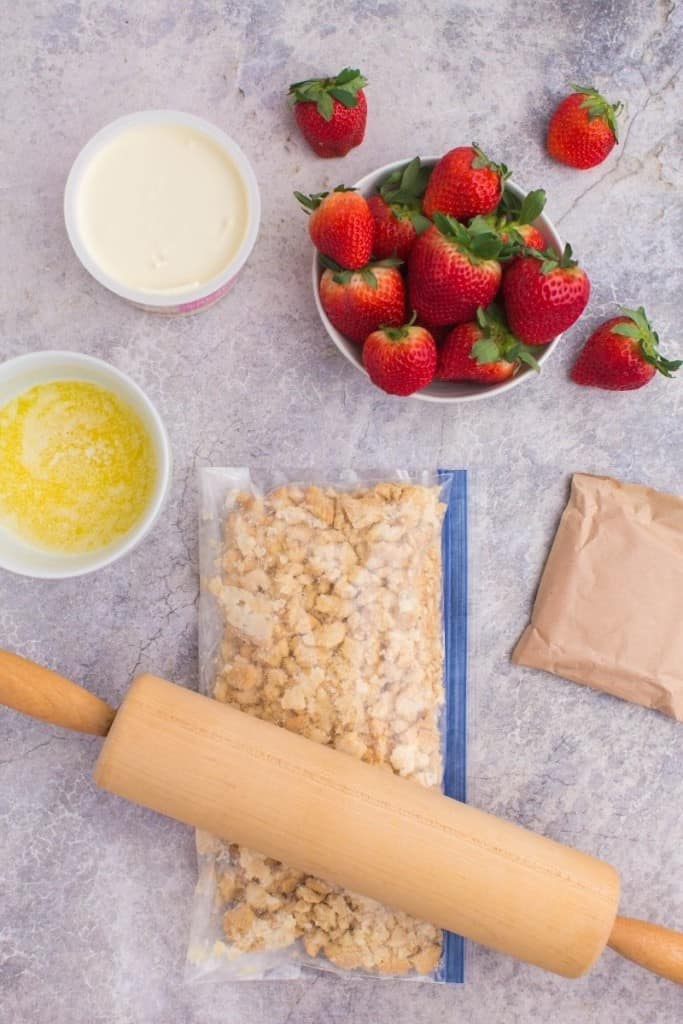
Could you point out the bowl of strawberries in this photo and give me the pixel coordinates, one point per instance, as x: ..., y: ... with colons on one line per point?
x: 441, y: 278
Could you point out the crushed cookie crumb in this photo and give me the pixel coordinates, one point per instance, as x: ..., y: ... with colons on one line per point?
x: 332, y: 628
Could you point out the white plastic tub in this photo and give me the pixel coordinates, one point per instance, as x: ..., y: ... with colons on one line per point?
x: 185, y: 297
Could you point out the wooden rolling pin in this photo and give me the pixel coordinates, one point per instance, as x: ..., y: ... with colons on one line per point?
x: 324, y: 812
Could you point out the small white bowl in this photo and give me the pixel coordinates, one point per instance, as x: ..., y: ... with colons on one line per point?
x: 163, y: 302
x: 438, y: 390
x: 24, y: 372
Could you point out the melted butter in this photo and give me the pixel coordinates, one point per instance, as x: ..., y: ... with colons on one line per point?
x: 162, y: 208
x: 77, y: 467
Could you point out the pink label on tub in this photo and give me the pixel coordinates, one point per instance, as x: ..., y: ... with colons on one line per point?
x: 193, y: 306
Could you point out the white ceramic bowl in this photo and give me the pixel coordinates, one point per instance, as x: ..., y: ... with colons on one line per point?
x: 163, y: 302
x: 16, y: 376
x: 438, y: 391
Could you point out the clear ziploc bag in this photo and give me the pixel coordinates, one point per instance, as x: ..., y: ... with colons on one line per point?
x: 335, y: 607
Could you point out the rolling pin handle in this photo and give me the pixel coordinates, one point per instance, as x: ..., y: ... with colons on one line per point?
x: 41, y: 693
x: 658, y: 949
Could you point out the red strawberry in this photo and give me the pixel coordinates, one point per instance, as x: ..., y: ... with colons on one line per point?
x: 464, y: 183
x: 400, y: 360
x: 583, y: 129
x: 544, y: 294
x: 622, y: 354
x: 484, y: 350
x: 394, y: 235
x: 396, y: 210
x: 331, y: 112
x: 357, y: 302
x: 341, y: 226
x: 452, y: 270
x: 530, y: 235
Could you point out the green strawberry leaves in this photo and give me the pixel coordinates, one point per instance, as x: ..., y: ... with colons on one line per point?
x: 347, y: 85
x: 339, y: 273
x: 521, y: 211
x: 640, y: 330
x: 512, y: 213
x: 531, y: 207
x: 405, y: 183
x: 343, y: 87
x: 498, y: 343
x: 486, y: 351
x: 325, y: 105
x: 368, y: 276
x: 486, y: 246
x: 397, y: 333
x: 550, y: 260
x: 343, y: 276
x: 312, y: 202
x: 349, y: 76
x: 478, y: 242
x: 403, y: 189
x: 418, y: 220
x: 346, y: 98
x: 525, y: 355
x: 481, y: 160
x: 597, y: 106
x: 449, y: 227
x: 414, y: 179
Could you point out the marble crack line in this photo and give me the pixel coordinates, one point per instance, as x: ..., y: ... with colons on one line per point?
x: 303, y: 995
x: 147, y: 646
x: 27, y: 753
x: 656, y: 93
x: 657, y: 33
x: 158, y: 634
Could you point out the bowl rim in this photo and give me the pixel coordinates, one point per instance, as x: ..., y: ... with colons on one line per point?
x: 352, y: 352
x: 112, y: 553
x: 102, y: 138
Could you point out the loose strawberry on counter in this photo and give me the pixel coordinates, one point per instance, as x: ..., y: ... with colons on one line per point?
x: 464, y: 183
x: 357, y: 302
x: 452, y: 270
x: 331, y: 112
x: 400, y: 360
x: 484, y: 350
x: 341, y: 225
x: 397, y: 210
x: 544, y: 294
x: 583, y: 129
x: 623, y: 354
x: 514, y: 218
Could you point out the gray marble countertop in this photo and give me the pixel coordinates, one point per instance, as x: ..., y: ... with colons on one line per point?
x: 95, y: 894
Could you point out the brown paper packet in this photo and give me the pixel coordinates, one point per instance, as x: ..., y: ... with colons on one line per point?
x: 609, y: 609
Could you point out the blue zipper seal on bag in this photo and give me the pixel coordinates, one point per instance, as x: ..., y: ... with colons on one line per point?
x: 454, y: 560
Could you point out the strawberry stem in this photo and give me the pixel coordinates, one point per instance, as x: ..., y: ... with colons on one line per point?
x: 343, y: 87
x: 343, y: 276
x: 597, y: 106
x: 402, y: 191
x: 498, y: 343
x: 641, y: 330
x: 313, y: 201
x: 478, y: 242
x: 550, y: 260
x: 481, y: 160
